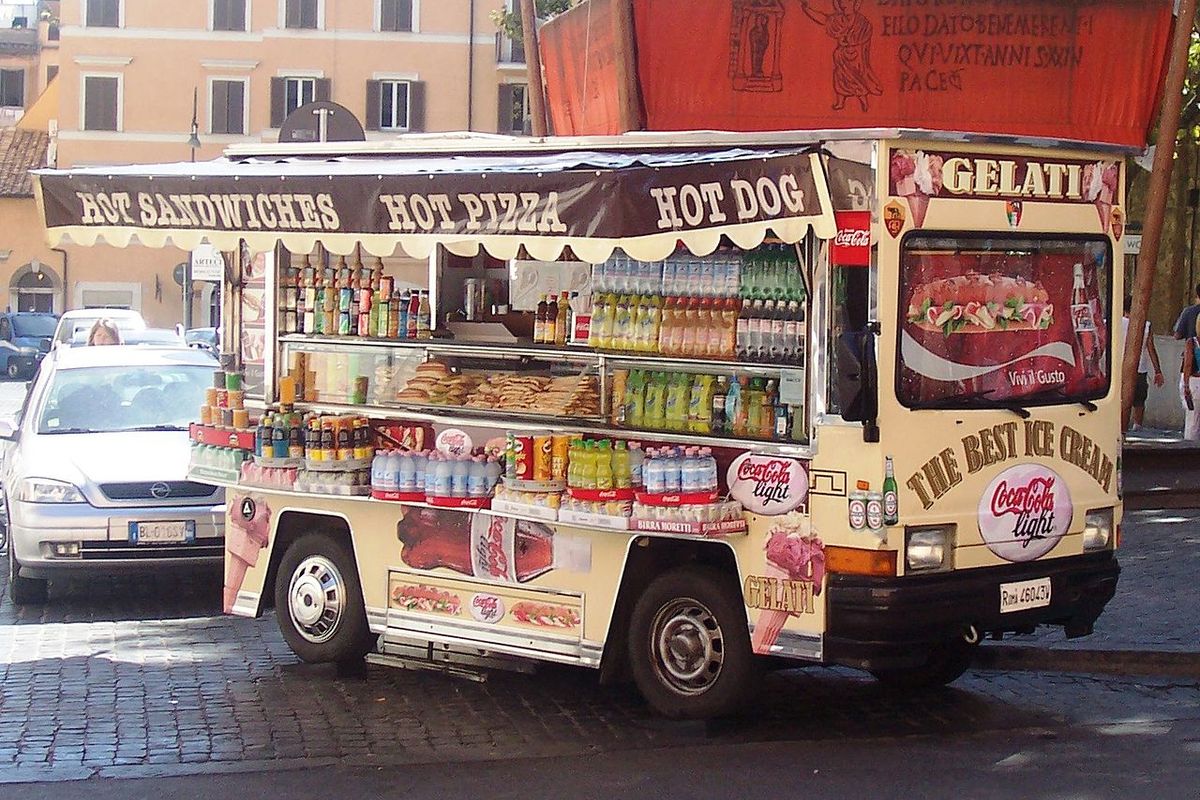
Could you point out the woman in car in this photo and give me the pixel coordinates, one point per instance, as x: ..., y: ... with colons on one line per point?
x: 104, y: 331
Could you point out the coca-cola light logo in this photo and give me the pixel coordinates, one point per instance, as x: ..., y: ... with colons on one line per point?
x: 1024, y: 512
x: 491, y: 544
x: 768, y: 485
x: 487, y: 608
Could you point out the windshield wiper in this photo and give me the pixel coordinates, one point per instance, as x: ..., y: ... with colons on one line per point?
x: 65, y: 430
x: 1057, y: 393
x: 959, y: 401
x: 141, y: 428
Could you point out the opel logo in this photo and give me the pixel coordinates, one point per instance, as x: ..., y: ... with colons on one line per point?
x: 160, y: 490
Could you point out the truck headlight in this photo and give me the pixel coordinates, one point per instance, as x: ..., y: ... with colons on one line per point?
x: 928, y: 547
x: 44, y: 490
x: 1097, y: 529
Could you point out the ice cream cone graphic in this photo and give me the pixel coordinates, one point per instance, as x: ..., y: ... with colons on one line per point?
x: 917, y: 177
x: 770, y: 623
x: 793, y: 555
x: 918, y: 204
x: 1100, y: 183
x: 245, y: 537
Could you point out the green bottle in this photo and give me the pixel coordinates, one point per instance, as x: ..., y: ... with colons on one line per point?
x: 891, y: 500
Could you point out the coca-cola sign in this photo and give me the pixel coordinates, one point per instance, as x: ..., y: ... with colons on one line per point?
x: 852, y: 245
x: 487, y: 608
x: 1024, y: 512
x: 768, y: 485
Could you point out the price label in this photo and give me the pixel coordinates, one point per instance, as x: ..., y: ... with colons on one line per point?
x: 791, y: 387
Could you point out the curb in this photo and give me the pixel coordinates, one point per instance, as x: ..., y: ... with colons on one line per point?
x: 1140, y: 663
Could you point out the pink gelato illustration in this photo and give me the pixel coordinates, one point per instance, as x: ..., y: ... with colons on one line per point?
x: 916, y: 177
x: 790, y: 556
x: 1100, y: 186
x: 244, y: 540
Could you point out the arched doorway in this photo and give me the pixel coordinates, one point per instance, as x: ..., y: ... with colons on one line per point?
x: 34, y: 287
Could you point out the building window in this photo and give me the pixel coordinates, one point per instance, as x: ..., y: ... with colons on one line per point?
x: 514, y: 110
x: 103, y: 13
x: 34, y: 288
x: 395, y: 15
x: 229, y: 15
x: 101, y: 103
x: 301, y: 14
x: 510, y: 51
x: 288, y: 94
x: 395, y: 104
x: 104, y: 294
x: 12, y: 88
x: 228, y: 113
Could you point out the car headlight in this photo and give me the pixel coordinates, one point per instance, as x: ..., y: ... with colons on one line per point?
x: 1097, y: 529
x: 928, y: 547
x: 44, y: 490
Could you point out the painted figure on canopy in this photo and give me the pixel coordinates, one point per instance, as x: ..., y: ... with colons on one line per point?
x: 851, y: 30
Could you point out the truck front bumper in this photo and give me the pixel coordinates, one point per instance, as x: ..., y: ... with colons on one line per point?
x: 887, y: 623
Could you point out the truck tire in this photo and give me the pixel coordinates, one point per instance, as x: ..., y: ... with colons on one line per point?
x: 319, y: 602
x: 25, y: 591
x: 689, y: 647
x: 946, y: 663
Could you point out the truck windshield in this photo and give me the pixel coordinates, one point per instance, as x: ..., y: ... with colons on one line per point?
x: 996, y: 321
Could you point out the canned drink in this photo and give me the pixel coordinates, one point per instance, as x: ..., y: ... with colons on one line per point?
x: 510, y: 454
x: 543, y: 457
x: 236, y: 398
x: 558, y: 457
x: 210, y: 396
x: 206, y: 415
x: 523, y: 458
x: 222, y: 398
x: 874, y: 511
x: 241, y: 418
x: 858, y: 511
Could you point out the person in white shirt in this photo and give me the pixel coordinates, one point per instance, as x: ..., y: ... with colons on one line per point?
x: 1147, y: 359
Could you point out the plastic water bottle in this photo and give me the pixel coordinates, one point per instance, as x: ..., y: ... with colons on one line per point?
x: 492, y: 473
x: 443, y: 478
x: 709, y: 465
x: 636, y: 459
x: 419, y: 463
x: 652, y: 472
x: 460, y: 472
x: 672, y: 474
x: 690, y: 471
x: 378, y: 470
x: 407, y: 474
x: 477, y: 478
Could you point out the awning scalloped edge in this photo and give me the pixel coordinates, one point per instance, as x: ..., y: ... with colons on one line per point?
x: 654, y: 247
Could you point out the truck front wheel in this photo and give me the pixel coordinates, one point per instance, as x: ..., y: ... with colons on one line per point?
x: 689, y: 646
x: 319, y: 602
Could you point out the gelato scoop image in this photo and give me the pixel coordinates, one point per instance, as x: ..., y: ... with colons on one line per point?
x: 246, y: 536
x: 793, y: 554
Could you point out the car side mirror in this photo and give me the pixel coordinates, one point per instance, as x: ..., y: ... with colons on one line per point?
x: 858, y: 380
x: 8, y: 430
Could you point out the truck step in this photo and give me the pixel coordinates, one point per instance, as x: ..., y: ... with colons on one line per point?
x: 469, y: 663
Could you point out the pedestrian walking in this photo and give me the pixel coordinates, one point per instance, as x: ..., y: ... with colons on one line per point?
x: 1147, y: 360
x: 1185, y: 326
x: 1189, y: 387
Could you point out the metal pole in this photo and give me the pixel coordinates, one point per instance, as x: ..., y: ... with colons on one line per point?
x: 1156, y: 203
x: 533, y: 67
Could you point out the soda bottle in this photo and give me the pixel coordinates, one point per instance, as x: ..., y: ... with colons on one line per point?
x: 677, y: 400
x: 637, y: 460
x: 720, y: 391
x: 588, y: 473
x: 654, y: 416
x: 742, y: 336
x: 603, y: 458
x: 414, y: 310
x: 891, y: 498
x: 1084, y: 322
x: 736, y: 405
x: 598, y: 320
x: 550, y: 325
x: 424, y: 318
x: 635, y: 399
x: 700, y: 404
x: 622, y: 477
x: 692, y: 331
x: 381, y: 313
x: 622, y: 324
x: 393, y: 328
x: 666, y: 329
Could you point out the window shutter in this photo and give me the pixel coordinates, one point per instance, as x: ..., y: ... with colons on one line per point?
x: 278, y: 101
x: 374, y: 103
x: 416, y: 106
x: 220, y: 108
x: 100, y: 104
x: 236, y: 107
x: 505, y: 124
x: 322, y: 93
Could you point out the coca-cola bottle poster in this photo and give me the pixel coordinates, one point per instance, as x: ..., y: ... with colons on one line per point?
x: 987, y: 321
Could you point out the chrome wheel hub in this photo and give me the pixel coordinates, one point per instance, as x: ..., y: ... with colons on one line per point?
x: 316, y: 599
x: 689, y: 648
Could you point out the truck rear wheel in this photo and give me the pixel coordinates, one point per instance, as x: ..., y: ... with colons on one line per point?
x: 689, y: 646
x: 319, y: 602
x: 946, y: 663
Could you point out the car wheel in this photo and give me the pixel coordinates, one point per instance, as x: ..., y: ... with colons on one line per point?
x: 319, y: 602
x: 945, y: 664
x: 14, y: 370
x: 25, y: 591
x: 689, y: 645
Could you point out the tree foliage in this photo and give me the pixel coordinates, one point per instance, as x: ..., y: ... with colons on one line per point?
x: 509, y: 22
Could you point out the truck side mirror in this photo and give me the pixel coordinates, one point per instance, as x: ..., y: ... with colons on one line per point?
x: 858, y: 380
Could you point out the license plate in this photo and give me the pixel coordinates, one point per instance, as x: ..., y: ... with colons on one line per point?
x: 1022, y: 595
x: 162, y: 532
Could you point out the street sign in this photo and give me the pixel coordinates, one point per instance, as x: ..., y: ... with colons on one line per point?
x: 180, y: 273
x: 1133, y: 244
x: 208, y: 264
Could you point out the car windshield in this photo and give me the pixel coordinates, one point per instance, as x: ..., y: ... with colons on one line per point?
x: 1004, y: 320
x: 123, y: 398
x: 34, y: 327
x: 84, y: 324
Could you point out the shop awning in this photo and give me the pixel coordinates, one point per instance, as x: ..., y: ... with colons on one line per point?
x: 593, y: 202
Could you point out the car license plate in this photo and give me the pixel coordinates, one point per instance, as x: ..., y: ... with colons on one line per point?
x: 1022, y: 595
x: 162, y: 532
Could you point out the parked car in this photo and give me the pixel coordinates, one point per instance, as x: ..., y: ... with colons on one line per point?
x: 204, y: 338
x: 24, y: 340
x: 154, y: 336
x: 94, y: 477
x: 84, y: 318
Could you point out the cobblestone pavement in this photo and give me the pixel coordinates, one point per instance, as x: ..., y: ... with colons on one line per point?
x: 136, y: 677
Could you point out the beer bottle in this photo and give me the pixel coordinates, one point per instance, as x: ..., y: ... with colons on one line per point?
x: 891, y: 500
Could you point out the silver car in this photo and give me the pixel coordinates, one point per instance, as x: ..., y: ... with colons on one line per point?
x: 95, y: 470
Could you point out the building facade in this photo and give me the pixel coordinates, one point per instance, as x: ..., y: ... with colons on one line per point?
x: 135, y: 75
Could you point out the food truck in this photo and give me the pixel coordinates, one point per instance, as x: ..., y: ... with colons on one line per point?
x: 669, y: 405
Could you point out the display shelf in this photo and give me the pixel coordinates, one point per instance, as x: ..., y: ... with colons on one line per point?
x: 677, y: 498
x: 221, y: 437
x: 346, y: 465
x: 398, y: 497
x: 593, y: 520
x: 689, y: 527
x: 600, y: 495
x: 458, y: 502
x: 518, y: 485
x: 544, y: 513
x: 206, y: 473
x: 279, y: 463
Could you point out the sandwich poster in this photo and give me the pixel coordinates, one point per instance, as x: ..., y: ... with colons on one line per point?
x: 993, y: 321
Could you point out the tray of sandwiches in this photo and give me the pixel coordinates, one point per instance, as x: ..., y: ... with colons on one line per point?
x: 434, y: 383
